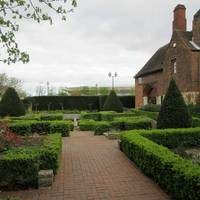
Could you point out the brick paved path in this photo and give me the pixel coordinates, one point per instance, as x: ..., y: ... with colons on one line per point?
x: 93, y: 168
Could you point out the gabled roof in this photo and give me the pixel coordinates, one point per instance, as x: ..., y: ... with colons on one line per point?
x: 155, y: 63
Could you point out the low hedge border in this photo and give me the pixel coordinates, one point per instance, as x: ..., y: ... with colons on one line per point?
x: 19, y: 167
x: 178, y: 176
x: 51, y: 117
x: 41, y: 127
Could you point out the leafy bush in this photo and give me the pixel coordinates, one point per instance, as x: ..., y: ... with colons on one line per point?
x: 178, y: 176
x: 152, y: 115
x: 87, y: 125
x: 174, y: 112
x: 51, y: 117
x: 8, y: 139
x: 40, y: 127
x: 60, y: 127
x: 113, y: 103
x: 19, y: 168
x: 50, y: 152
x: 151, y: 108
x: 194, y: 110
x: 125, y: 123
x: 137, y: 123
x: 195, y: 122
x: 101, y: 127
x: 93, y: 115
x: 11, y: 104
x: 21, y: 128
x: 107, y: 115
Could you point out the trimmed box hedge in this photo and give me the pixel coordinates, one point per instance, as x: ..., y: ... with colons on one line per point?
x: 180, y: 177
x: 51, y: 117
x: 60, y: 127
x: 19, y: 167
x: 50, y: 152
x: 41, y: 127
x: 101, y: 128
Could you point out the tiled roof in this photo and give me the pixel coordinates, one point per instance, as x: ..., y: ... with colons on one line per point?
x: 155, y: 63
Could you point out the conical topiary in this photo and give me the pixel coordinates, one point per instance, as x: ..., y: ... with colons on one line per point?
x: 174, y: 112
x: 11, y: 104
x: 113, y: 103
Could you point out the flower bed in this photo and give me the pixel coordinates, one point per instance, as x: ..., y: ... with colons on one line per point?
x: 178, y: 176
x: 19, y: 166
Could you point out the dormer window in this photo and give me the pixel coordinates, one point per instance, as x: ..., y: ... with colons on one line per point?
x: 140, y: 80
x: 174, y: 45
x: 174, y: 66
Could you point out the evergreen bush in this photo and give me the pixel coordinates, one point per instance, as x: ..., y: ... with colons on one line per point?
x: 113, y: 103
x: 11, y: 104
x: 174, y: 112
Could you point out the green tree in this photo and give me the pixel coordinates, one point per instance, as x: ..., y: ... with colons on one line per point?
x: 113, y: 103
x: 6, y: 82
x: 14, y: 11
x: 174, y: 112
x: 11, y: 104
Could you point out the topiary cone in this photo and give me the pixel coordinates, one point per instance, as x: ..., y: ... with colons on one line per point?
x: 174, y: 112
x: 11, y: 104
x: 113, y: 103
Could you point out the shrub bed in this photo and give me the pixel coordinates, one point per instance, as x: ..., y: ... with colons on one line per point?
x: 101, y: 127
x: 125, y: 123
x: 41, y: 127
x: 87, y: 125
x: 51, y: 117
x: 50, y: 152
x: 93, y: 115
x: 60, y: 127
x: 195, y: 122
x: 178, y: 176
x: 19, y: 166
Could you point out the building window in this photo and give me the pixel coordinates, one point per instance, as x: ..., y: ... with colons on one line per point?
x: 174, y: 66
x: 174, y: 45
x: 139, y: 80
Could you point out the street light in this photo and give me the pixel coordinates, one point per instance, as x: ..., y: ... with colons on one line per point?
x: 113, y: 76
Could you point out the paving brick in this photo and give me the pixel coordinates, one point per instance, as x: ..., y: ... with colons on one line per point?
x: 93, y: 168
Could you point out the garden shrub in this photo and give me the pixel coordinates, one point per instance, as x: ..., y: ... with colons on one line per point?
x: 137, y: 123
x: 101, y: 127
x: 51, y: 117
x: 195, y: 122
x: 151, y: 108
x: 113, y: 103
x: 92, y: 115
x: 19, y: 168
x: 87, y: 125
x: 11, y: 104
x: 180, y: 177
x: 21, y: 128
x: 40, y: 127
x: 107, y: 115
x: 174, y: 112
x: 50, y: 152
x: 194, y: 110
x: 60, y: 127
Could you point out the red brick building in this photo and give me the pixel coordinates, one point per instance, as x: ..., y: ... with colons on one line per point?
x: 180, y: 58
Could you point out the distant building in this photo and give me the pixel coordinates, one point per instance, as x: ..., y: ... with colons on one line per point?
x: 180, y: 59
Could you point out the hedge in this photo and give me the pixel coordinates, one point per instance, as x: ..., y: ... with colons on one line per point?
x: 101, y: 127
x: 87, y: 125
x: 125, y: 123
x: 60, y: 127
x: 51, y: 117
x: 41, y: 127
x: 92, y: 115
x: 19, y: 167
x: 50, y: 152
x: 195, y: 122
x: 178, y: 176
x: 74, y: 102
x: 21, y: 128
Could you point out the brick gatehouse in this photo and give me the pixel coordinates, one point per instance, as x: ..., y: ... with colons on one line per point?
x: 180, y: 58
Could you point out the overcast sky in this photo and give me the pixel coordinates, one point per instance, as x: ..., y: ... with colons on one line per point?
x: 100, y: 36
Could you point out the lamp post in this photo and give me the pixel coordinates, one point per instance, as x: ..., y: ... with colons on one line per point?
x: 113, y: 76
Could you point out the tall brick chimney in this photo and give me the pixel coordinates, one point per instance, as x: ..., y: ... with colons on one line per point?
x: 179, y: 23
x: 196, y: 28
